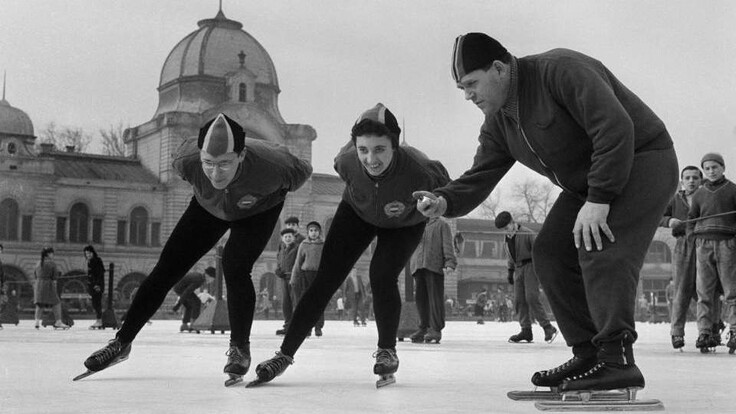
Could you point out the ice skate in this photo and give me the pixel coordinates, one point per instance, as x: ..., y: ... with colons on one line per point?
x: 418, y: 336
x: 550, y: 333
x: 432, y: 336
x: 184, y: 328
x: 113, y: 353
x: 61, y: 325
x: 716, y: 332
x: 281, y: 332
x: 524, y: 335
x: 678, y: 342
x: 356, y: 323
x: 553, y: 378
x: 387, y: 363
x: 238, y: 362
x: 270, y: 369
x: 97, y: 325
x: 706, y: 343
x: 317, y: 331
x: 731, y: 344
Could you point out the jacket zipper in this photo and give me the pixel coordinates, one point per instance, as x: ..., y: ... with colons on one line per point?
x: 557, y: 179
x: 375, y: 198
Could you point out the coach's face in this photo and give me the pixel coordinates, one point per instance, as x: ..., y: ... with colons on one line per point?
x: 487, y: 88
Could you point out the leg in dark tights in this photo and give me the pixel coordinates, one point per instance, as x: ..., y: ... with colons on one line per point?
x: 248, y: 238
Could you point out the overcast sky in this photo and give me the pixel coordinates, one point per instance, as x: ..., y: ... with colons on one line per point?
x: 92, y: 64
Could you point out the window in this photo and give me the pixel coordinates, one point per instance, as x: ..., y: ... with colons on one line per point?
x: 122, y: 225
x: 79, y: 223
x: 12, y: 148
x: 138, y: 226
x: 469, y: 248
x: 27, y: 228
x: 658, y: 252
x: 61, y: 229
x: 9, y: 219
x: 488, y: 249
x: 241, y: 92
x: 156, y: 234
x: 96, y: 230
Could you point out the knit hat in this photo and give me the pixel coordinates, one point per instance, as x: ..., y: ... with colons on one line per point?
x: 220, y: 136
x: 292, y: 219
x: 503, y: 219
x: 712, y: 156
x: 474, y: 51
x: 287, y: 231
x: 314, y: 224
x: 382, y: 115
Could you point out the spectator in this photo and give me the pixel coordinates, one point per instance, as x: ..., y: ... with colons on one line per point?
x: 45, y: 293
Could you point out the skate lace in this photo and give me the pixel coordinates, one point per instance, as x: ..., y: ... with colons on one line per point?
x: 108, y: 352
x: 562, y: 367
x: 384, y: 356
x: 589, y: 372
x: 277, y: 363
x: 235, y: 355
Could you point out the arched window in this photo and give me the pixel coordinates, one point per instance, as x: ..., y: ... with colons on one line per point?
x: 658, y: 252
x: 138, y: 226
x: 79, y: 223
x: 9, y: 219
x: 241, y: 92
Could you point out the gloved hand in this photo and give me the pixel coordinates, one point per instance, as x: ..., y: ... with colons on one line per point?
x: 429, y: 204
x: 510, y: 277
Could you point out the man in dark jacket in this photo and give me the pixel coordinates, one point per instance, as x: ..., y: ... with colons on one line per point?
x: 566, y: 116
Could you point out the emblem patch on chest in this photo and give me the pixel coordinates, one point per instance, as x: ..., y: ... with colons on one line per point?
x: 246, y: 202
x: 394, y: 209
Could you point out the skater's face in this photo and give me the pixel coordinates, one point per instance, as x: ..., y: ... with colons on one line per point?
x: 690, y: 180
x: 87, y: 254
x: 287, y: 238
x: 713, y: 170
x: 487, y: 89
x: 313, y: 233
x: 221, y: 169
x: 374, y: 152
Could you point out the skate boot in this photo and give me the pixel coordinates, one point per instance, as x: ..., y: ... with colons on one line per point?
x: 387, y: 363
x: 281, y: 331
x: 184, y: 328
x: 524, y: 335
x: 480, y: 322
x: 716, y: 333
x: 705, y: 343
x: 272, y: 368
x: 60, y: 325
x: 432, y: 335
x: 678, y: 342
x: 731, y: 344
x: 114, y: 353
x: 418, y: 336
x: 96, y: 325
x: 553, y: 377
x: 550, y: 333
x: 318, y: 331
x: 238, y: 362
x: 605, y: 376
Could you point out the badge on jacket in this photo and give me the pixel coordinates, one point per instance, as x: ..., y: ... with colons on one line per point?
x: 246, y: 202
x: 394, y: 209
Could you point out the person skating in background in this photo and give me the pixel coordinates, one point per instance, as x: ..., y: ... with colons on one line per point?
x: 285, y: 258
x: 566, y: 116
x: 356, y: 292
x: 306, y: 264
x: 527, y: 304
x: 45, y: 292
x: 380, y: 176
x: 433, y: 257
x: 239, y: 185
x: 186, y: 289
x: 714, y: 204
x: 95, y: 282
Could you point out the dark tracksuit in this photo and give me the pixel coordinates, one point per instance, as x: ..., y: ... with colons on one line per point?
x: 96, y: 279
x: 185, y: 289
x: 371, y: 207
x: 249, y: 207
x: 568, y: 118
x: 527, y: 304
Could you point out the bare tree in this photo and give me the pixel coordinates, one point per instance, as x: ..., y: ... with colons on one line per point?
x: 112, y: 140
x: 535, y: 198
x: 66, y: 137
x: 489, y: 208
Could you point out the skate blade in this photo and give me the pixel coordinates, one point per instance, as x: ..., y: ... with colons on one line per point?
x: 552, y: 339
x: 385, y: 380
x: 233, y: 380
x: 557, y: 396
x: 436, y: 341
x: 594, y: 405
x: 84, y: 375
x: 256, y: 382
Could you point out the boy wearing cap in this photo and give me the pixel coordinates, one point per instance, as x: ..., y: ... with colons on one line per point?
x: 565, y: 115
x: 714, y: 204
x: 380, y: 177
x: 521, y: 275
x: 239, y: 185
x: 306, y: 264
x: 290, y: 240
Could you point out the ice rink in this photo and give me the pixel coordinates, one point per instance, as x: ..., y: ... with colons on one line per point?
x: 469, y: 372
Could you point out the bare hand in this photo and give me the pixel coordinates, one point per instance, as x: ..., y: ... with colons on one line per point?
x: 591, y: 220
x: 674, y: 222
x: 429, y: 204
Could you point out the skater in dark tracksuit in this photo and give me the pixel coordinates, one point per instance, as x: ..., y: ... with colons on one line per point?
x: 239, y: 185
x: 188, y: 299
x: 566, y: 116
x: 95, y: 282
x: 527, y: 304
x: 380, y: 177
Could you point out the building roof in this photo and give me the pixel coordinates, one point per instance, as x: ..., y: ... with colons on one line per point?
x: 13, y: 121
x: 327, y: 184
x: 99, y: 167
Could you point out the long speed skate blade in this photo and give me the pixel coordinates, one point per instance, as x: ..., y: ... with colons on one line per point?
x: 256, y: 382
x: 385, y: 380
x: 556, y: 396
x: 84, y: 375
x: 234, y: 379
x: 593, y: 405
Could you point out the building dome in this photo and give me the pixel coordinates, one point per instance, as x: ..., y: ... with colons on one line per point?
x: 13, y: 121
x: 213, y: 50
